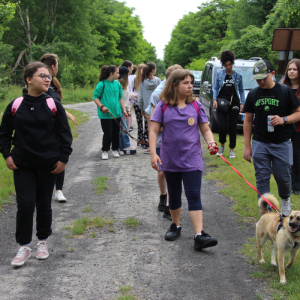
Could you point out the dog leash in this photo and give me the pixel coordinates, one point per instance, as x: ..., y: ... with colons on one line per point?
x: 143, y: 143
x: 237, y: 172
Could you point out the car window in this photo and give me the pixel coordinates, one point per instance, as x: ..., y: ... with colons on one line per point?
x: 210, y: 71
x: 197, y: 74
x: 247, y: 73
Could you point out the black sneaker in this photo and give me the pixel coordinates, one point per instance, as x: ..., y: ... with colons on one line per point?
x: 167, y: 213
x: 296, y: 192
x: 204, y: 241
x: 162, y: 202
x: 173, y: 233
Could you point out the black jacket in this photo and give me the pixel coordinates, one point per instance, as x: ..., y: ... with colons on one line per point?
x: 40, y: 138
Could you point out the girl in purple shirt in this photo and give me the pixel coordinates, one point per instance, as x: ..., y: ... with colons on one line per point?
x: 180, y: 152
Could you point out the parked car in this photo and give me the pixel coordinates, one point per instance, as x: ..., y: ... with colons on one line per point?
x: 196, y: 85
x: 208, y: 79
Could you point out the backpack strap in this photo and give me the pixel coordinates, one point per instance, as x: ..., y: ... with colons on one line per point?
x: 196, y: 107
x: 51, y: 105
x: 16, y: 105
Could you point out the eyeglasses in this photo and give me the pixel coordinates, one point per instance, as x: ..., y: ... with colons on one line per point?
x: 44, y: 76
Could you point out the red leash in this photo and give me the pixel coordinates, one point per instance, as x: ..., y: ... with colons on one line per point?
x: 237, y: 172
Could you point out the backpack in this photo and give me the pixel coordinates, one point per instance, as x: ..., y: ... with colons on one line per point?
x: 18, y: 101
x: 196, y: 106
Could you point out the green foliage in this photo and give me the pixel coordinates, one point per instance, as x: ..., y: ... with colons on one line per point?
x: 84, y: 34
x: 132, y: 222
x: 100, y: 184
x: 196, y: 64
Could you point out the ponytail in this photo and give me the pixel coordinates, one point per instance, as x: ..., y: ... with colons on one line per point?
x: 147, y: 70
x: 105, y: 72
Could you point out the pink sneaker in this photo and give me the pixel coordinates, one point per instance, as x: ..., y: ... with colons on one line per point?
x: 42, y: 250
x: 23, y: 253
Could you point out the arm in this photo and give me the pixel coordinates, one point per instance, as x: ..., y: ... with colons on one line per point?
x: 292, y: 118
x: 123, y: 108
x: 65, y: 139
x: 215, y: 93
x: 208, y: 136
x: 248, y: 122
x: 71, y: 117
x: 140, y: 97
x: 242, y: 94
x: 154, y: 130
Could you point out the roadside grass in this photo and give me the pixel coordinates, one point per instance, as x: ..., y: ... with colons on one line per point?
x: 246, y: 206
x: 77, y: 95
x: 80, y: 226
x: 100, y: 184
x: 81, y: 117
x: 87, y: 209
x: 132, y: 222
x: 127, y: 294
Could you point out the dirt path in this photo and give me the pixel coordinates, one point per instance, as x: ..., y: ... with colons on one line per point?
x: 139, y: 258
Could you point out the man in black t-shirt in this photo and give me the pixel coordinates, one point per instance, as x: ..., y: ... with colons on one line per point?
x: 271, y: 150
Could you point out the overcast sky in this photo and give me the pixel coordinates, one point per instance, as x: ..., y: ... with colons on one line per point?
x: 159, y: 18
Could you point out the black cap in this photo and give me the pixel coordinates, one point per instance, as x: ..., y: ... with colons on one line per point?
x: 123, y: 71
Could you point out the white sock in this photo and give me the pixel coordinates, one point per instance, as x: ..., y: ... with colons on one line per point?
x: 198, y: 234
x: 178, y: 226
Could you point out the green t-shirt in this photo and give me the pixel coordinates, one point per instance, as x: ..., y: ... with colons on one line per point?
x: 111, y: 97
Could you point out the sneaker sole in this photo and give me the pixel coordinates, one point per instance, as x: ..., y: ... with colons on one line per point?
x: 172, y: 239
x: 231, y: 156
x: 210, y: 244
x: 104, y: 158
x: 62, y: 201
x: 42, y: 257
x: 20, y: 263
x: 161, y: 208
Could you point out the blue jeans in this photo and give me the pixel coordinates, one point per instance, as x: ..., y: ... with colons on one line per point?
x: 124, y: 139
x: 271, y: 158
x: 192, y: 185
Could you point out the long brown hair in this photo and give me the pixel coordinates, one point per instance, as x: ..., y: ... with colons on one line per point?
x: 169, y: 94
x: 150, y: 66
x: 50, y: 59
x: 287, y: 80
x: 29, y: 71
x: 124, y: 81
x: 105, y: 71
x: 138, y: 77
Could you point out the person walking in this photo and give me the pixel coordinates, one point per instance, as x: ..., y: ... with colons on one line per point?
x: 147, y: 85
x: 275, y: 107
x: 229, y: 86
x: 38, y: 128
x: 125, y: 145
x: 140, y: 119
x: 180, y: 153
x: 108, y: 96
x: 54, y: 91
x: 292, y: 79
x: 163, y: 204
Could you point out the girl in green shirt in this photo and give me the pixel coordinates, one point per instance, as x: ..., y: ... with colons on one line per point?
x: 108, y: 95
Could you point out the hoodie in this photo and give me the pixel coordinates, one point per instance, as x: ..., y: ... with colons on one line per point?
x: 157, y: 92
x: 146, y: 88
x: 40, y: 139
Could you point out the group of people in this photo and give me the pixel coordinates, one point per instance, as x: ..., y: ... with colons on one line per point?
x: 168, y: 118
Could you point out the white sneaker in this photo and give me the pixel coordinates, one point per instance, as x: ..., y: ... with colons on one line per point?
x: 221, y: 150
x: 23, y: 254
x: 59, y: 196
x: 147, y: 151
x: 115, y: 154
x: 286, y: 206
x: 121, y: 153
x: 104, y: 155
x: 231, y: 154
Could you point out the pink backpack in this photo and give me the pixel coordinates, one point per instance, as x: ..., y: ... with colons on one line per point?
x: 165, y: 106
x: 18, y: 101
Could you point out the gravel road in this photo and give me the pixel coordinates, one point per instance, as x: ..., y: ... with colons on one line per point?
x: 95, y: 268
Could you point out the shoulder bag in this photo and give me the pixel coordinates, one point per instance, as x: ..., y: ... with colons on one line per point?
x: 223, y: 104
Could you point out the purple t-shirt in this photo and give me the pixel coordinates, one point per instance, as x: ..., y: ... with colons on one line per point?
x: 180, y: 149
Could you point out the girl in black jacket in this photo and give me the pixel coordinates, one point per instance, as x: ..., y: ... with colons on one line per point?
x: 42, y: 144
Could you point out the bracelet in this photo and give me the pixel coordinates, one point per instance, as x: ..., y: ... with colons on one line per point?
x: 101, y: 106
x: 210, y: 143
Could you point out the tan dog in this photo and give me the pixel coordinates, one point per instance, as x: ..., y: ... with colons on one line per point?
x: 287, y: 238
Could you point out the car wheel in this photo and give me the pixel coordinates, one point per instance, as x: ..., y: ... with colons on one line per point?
x: 214, y: 126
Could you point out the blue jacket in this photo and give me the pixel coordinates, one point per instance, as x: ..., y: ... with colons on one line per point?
x: 238, y: 82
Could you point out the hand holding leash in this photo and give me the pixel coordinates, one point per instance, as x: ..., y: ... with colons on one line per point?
x: 213, y: 148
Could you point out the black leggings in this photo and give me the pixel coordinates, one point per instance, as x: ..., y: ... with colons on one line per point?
x: 110, y: 134
x: 60, y: 181
x: 192, y: 186
x: 34, y: 188
x: 231, y: 118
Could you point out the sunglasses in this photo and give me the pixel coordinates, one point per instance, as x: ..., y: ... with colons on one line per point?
x: 44, y: 76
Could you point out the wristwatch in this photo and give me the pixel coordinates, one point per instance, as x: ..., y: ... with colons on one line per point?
x: 285, y: 120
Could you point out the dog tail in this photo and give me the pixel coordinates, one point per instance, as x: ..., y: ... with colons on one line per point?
x: 263, y: 205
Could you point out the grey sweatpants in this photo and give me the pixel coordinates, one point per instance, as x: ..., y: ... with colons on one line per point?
x: 273, y: 158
